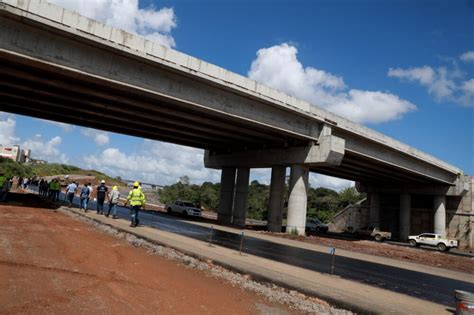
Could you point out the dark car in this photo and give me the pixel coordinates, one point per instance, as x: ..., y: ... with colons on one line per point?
x: 316, y: 226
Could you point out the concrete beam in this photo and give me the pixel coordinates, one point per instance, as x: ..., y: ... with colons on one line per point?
x: 66, y: 46
x: 275, y: 204
x: 329, y: 151
x: 385, y: 155
x: 298, y: 200
x: 460, y: 188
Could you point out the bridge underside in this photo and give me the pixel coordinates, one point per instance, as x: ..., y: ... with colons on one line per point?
x: 38, y: 89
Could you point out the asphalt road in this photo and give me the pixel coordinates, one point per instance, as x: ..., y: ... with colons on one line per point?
x: 419, y: 285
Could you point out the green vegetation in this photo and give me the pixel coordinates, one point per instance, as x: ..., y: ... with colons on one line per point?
x: 12, y: 168
x: 323, y: 203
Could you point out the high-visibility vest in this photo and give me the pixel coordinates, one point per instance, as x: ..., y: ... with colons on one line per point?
x: 136, y: 197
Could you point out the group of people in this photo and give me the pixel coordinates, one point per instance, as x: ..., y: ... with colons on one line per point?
x: 136, y: 197
x: 49, y: 189
x: 5, y: 186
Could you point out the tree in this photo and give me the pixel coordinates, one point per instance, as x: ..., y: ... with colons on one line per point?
x: 184, y: 180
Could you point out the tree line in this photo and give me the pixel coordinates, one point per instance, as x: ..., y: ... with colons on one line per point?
x: 323, y: 203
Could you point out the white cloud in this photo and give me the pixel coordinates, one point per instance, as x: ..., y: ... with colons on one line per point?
x: 45, y: 149
x: 468, y: 56
x: 425, y: 75
x: 157, y: 163
x: 101, y: 138
x: 279, y: 67
x: 7, y: 129
x: 467, y: 97
x: 154, y: 24
x: 442, y: 83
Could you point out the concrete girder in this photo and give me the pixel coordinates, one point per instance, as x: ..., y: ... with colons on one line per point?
x: 164, y: 110
x: 128, y: 129
x: 386, y: 156
x: 174, y: 127
x: 122, y: 121
x: 459, y: 189
x: 61, y: 47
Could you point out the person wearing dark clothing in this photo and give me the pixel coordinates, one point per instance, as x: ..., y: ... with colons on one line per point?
x: 102, y: 193
x: 85, y: 192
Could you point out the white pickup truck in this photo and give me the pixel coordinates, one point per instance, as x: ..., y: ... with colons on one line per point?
x: 185, y: 208
x: 431, y: 239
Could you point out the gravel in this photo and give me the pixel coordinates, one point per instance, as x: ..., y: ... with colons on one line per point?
x: 291, y: 298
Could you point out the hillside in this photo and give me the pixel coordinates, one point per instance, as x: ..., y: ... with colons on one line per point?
x: 12, y: 168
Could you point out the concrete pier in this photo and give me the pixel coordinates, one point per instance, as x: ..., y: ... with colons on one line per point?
x: 374, y: 214
x: 298, y: 199
x: 241, y: 196
x: 405, y: 213
x: 440, y: 215
x: 275, y: 205
x: 226, y: 199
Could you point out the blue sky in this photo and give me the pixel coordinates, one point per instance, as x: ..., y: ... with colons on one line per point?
x: 346, y: 56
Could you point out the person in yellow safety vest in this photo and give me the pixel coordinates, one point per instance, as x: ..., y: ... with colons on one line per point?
x: 137, y: 201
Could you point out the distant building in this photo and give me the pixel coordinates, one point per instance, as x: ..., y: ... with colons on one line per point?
x: 15, y: 153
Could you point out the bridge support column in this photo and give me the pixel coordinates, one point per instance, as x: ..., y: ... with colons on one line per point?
x: 275, y: 204
x: 374, y: 215
x: 440, y: 215
x: 241, y: 196
x: 405, y: 213
x: 226, y: 198
x: 298, y: 199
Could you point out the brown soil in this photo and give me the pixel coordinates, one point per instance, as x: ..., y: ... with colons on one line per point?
x: 415, y: 255
x: 51, y: 263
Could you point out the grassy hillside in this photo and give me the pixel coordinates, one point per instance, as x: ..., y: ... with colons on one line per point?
x: 12, y: 168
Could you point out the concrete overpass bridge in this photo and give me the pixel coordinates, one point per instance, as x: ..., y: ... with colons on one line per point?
x: 58, y: 65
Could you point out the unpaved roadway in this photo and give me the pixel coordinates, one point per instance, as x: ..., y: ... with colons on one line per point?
x: 51, y: 263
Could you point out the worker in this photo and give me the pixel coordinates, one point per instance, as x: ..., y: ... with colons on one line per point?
x: 137, y: 201
x: 113, y: 201
x: 102, y: 194
x: 84, y: 197
x: 3, y: 180
x: 57, y: 189
x: 70, y: 192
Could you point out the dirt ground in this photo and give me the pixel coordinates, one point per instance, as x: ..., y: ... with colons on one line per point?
x: 51, y: 263
x: 416, y: 255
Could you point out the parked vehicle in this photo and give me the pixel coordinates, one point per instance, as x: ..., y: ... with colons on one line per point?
x: 431, y: 239
x: 374, y: 232
x: 316, y: 226
x: 185, y: 208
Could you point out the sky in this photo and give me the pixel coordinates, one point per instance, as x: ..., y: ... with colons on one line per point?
x: 404, y: 68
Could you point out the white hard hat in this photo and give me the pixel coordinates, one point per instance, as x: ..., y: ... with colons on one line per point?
x: 102, y: 181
